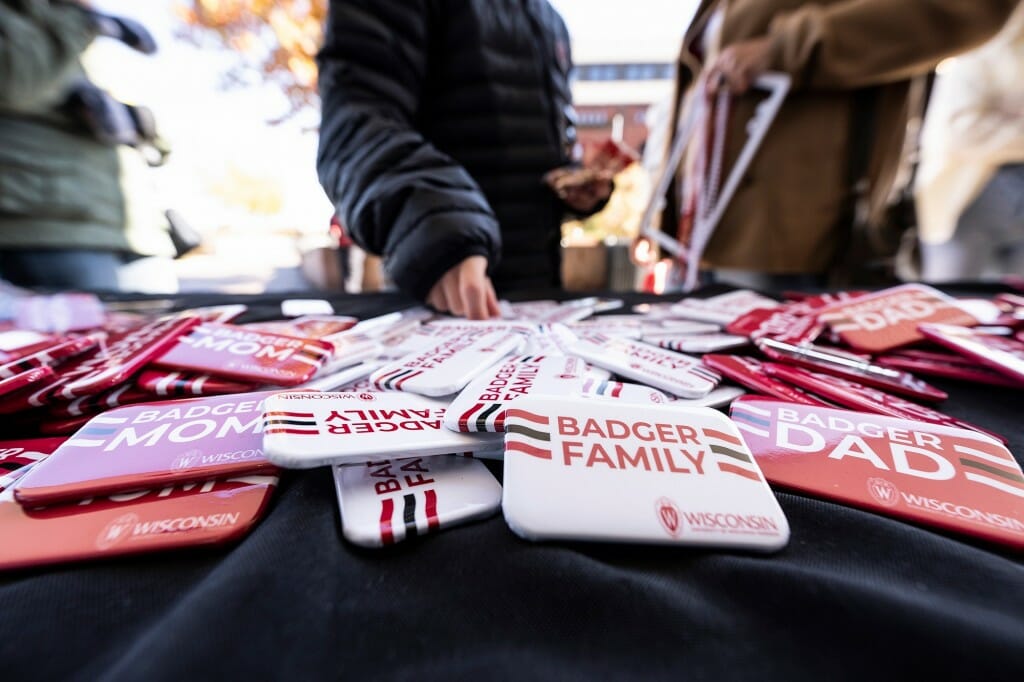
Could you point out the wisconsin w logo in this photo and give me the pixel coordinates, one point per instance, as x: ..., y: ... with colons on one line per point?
x: 668, y: 515
x: 883, y: 492
x: 116, y: 530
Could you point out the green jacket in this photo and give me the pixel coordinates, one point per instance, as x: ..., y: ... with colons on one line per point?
x: 59, y: 187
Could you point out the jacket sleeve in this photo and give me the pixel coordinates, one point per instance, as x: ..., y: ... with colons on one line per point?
x: 860, y: 43
x: 40, y: 42
x: 397, y: 194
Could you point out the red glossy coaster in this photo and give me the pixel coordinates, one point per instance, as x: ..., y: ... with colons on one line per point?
x: 960, y: 368
x: 749, y: 372
x: 126, y: 356
x: 889, y: 318
x: 63, y: 426
x: 165, y: 382
x: 865, y: 398
x: 146, y: 446
x: 52, y: 354
x: 853, y: 367
x: 16, y: 455
x: 953, y: 479
x: 186, y: 515
x: 25, y: 380
x: 119, y: 396
x: 17, y: 343
x: 1003, y: 354
x: 794, y: 323
x: 247, y: 356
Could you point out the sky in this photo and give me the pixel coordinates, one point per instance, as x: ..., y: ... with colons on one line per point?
x: 211, y: 129
x: 626, y: 27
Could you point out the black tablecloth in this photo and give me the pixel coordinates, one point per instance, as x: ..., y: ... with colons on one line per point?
x: 853, y: 596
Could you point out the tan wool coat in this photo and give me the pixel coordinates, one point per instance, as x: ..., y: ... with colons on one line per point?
x: 788, y: 214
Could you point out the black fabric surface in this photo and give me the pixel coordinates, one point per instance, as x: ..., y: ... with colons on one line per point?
x: 854, y: 596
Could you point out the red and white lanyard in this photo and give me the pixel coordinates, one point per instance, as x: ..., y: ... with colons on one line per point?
x: 703, y: 198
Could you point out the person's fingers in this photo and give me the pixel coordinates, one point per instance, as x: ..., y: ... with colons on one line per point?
x: 435, y: 299
x: 450, y: 285
x: 493, y: 309
x: 474, y: 286
x: 740, y: 83
x: 727, y: 71
x: 471, y: 292
x: 465, y: 290
x: 474, y: 298
x: 715, y: 82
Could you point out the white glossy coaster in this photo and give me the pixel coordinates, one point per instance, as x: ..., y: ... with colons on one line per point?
x: 597, y: 373
x: 456, y: 325
x: 304, y: 430
x: 549, y: 339
x: 578, y: 309
x: 349, y: 351
x: 342, y: 378
x: 603, y: 389
x: 388, y: 501
x: 526, y: 310
x: 678, y: 374
x: 388, y: 323
x: 481, y: 405
x: 448, y: 366
x: 699, y: 343
x: 720, y: 397
x: 630, y: 328
x: 724, y: 308
x: 665, y: 326
x: 594, y: 470
x: 412, y: 339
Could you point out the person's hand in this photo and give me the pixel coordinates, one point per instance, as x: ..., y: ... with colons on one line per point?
x: 738, y: 66
x: 581, y: 189
x: 466, y: 290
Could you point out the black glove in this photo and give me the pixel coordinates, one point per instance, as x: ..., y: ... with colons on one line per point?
x: 128, y: 31
x: 106, y: 119
x: 112, y: 122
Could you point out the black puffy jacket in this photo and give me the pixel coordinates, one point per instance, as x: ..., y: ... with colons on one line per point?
x: 440, y: 118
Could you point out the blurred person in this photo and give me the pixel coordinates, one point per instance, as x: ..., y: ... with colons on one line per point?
x: 970, y: 182
x: 74, y: 211
x: 835, y: 144
x: 447, y: 143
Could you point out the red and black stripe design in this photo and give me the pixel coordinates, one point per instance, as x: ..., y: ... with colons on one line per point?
x: 393, y: 380
x: 18, y: 366
x: 731, y: 455
x: 175, y: 383
x: 671, y: 344
x: 394, y: 530
x: 167, y: 383
x: 483, y: 417
x: 490, y: 417
x: 51, y: 355
x: 528, y: 433
x: 990, y: 465
x: 299, y: 423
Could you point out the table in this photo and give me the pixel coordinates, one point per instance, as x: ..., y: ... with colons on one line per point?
x: 854, y: 596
